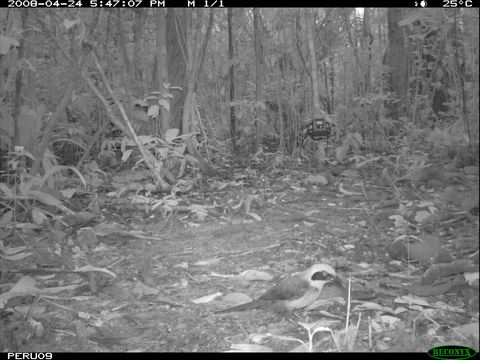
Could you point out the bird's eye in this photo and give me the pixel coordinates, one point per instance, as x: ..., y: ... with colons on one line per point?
x: 321, y: 275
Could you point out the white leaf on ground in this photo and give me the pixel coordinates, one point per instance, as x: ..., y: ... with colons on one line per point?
x: 208, y: 262
x: 207, y: 298
x: 222, y: 275
x: 316, y: 180
x: 412, y: 300
x: 399, y: 220
x: 90, y: 268
x: 342, y: 190
x: 471, y: 278
x: 249, y: 348
x: 390, y: 320
x: 258, y: 338
x: 182, y: 265
x: 255, y: 216
x: 400, y: 310
x: 300, y: 348
x: 253, y: 275
x: 375, y: 326
x: 24, y: 286
x: 422, y: 215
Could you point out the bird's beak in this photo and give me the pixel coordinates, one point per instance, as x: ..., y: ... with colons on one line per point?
x: 339, y: 281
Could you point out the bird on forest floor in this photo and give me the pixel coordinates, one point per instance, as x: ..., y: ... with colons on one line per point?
x: 294, y: 292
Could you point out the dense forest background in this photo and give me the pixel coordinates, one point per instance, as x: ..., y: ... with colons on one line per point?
x: 237, y: 78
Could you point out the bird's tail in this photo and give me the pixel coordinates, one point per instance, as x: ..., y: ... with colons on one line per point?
x: 241, y: 307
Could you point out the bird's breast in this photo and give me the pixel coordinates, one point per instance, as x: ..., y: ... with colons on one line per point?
x: 308, y: 298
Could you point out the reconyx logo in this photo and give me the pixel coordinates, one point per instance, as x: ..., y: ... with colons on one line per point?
x: 456, y: 352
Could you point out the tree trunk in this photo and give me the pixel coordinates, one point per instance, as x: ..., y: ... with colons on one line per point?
x: 368, y: 41
x: 313, y: 65
x: 317, y: 111
x: 176, y: 64
x: 137, y: 66
x: 203, y: 49
x: 257, y: 39
x: 194, y: 48
x: 397, y: 60
x: 128, y: 64
x: 18, y: 81
x: 160, y: 70
x: 231, y: 78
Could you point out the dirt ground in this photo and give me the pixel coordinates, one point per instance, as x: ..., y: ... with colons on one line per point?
x: 278, y: 224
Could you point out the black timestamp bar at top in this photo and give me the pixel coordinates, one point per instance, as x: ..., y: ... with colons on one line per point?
x: 115, y: 3
x: 420, y: 4
x: 156, y: 3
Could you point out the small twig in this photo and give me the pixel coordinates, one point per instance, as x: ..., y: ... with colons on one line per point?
x: 190, y: 276
x: 148, y: 157
x: 24, y: 241
x: 344, y: 208
x: 365, y: 195
x: 348, y: 308
x: 436, y: 323
x: 356, y: 332
x: 166, y: 221
x: 115, y: 262
x: 370, y: 333
x: 67, y: 308
x: 241, y: 328
x: 34, y: 303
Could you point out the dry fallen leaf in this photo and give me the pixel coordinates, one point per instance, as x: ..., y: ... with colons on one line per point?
x: 141, y: 289
x: 254, y: 275
x: 468, y: 330
x: 249, y: 348
x: 207, y: 298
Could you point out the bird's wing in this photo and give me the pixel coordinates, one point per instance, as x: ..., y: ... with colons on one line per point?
x: 288, y: 289
x: 240, y: 307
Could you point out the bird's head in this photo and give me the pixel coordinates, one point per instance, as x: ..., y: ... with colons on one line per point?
x: 320, y: 274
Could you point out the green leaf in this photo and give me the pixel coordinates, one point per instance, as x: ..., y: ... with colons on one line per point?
x: 164, y: 103
x: 5, y: 43
x: 126, y: 155
x: 69, y: 23
x: 171, y: 134
x: 43, y: 197
x: 153, y: 111
x: 411, y: 18
x: 38, y: 216
x: 54, y: 169
x: 140, y: 115
x: 6, y: 190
